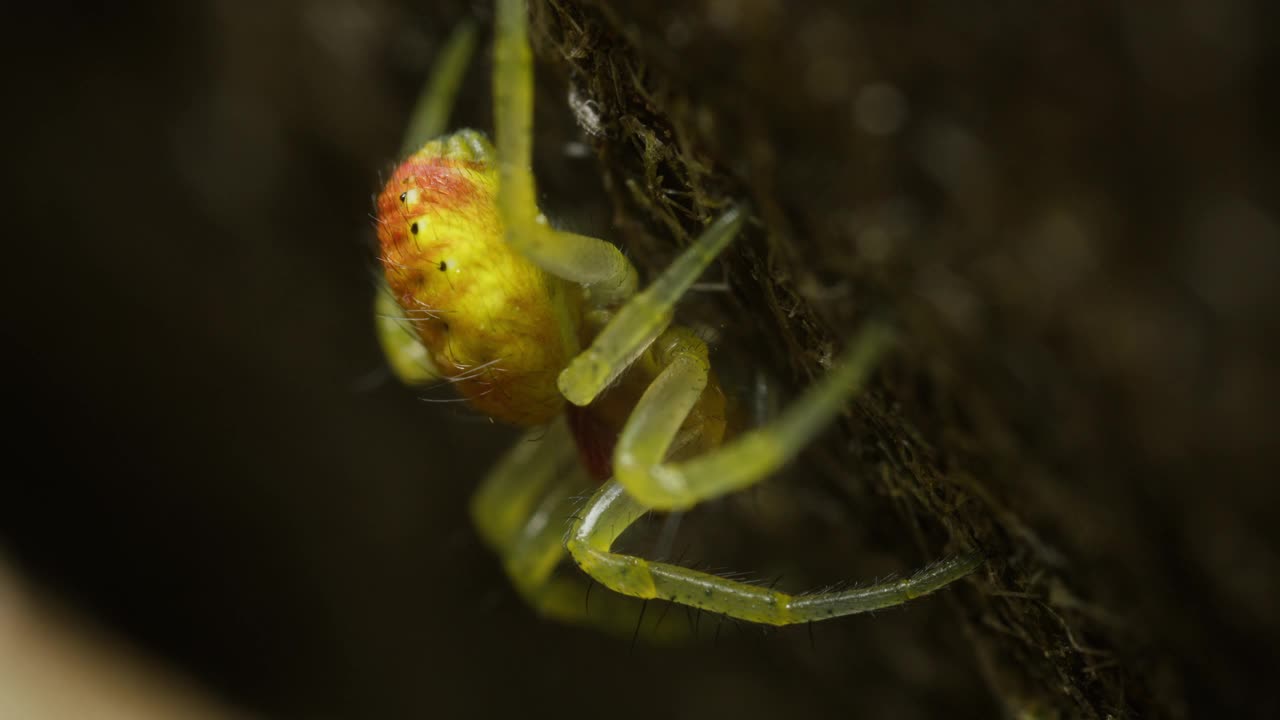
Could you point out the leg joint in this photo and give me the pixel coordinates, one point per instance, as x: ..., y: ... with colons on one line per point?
x: 620, y: 573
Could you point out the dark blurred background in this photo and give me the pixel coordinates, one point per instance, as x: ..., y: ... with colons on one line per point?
x: 210, y: 459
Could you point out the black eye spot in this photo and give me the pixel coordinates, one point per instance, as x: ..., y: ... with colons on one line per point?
x: 403, y: 196
x: 414, y: 228
x: 446, y: 326
x: 443, y: 266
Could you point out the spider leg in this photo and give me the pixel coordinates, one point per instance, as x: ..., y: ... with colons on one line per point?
x: 640, y: 456
x: 646, y: 481
x: 596, y: 264
x: 405, y: 353
x: 612, y: 510
x: 430, y: 117
x: 522, y: 511
x: 637, y: 323
x: 608, y: 276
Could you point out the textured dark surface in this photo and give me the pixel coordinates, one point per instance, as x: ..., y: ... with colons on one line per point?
x: 1069, y: 209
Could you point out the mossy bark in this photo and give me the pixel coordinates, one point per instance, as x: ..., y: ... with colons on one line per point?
x: 1058, y: 211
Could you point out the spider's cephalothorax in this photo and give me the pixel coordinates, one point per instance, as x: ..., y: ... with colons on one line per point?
x: 546, y: 329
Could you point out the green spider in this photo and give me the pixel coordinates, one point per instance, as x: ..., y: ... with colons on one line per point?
x: 545, y: 329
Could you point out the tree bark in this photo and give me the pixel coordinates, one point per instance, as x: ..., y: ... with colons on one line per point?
x: 1062, y: 208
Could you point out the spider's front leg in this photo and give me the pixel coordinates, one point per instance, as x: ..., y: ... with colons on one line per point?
x: 596, y: 264
x: 599, y: 266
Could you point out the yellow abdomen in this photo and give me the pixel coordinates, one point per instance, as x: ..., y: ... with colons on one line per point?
x: 496, y: 326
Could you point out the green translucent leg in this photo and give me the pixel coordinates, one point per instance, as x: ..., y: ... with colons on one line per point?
x: 612, y: 510
x: 522, y: 511
x: 430, y: 116
x: 406, y: 355
x: 644, y: 317
x: 594, y: 263
x: 639, y: 457
x: 504, y: 505
x: 644, y: 482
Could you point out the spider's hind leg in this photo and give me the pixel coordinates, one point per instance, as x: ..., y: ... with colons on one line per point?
x: 522, y: 510
x: 612, y: 510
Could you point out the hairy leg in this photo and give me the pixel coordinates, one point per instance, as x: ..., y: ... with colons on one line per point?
x: 611, y: 511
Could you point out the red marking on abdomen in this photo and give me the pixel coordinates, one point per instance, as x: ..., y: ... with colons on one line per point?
x: 442, y: 185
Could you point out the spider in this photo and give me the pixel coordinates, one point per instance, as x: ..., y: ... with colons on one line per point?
x: 547, y: 330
